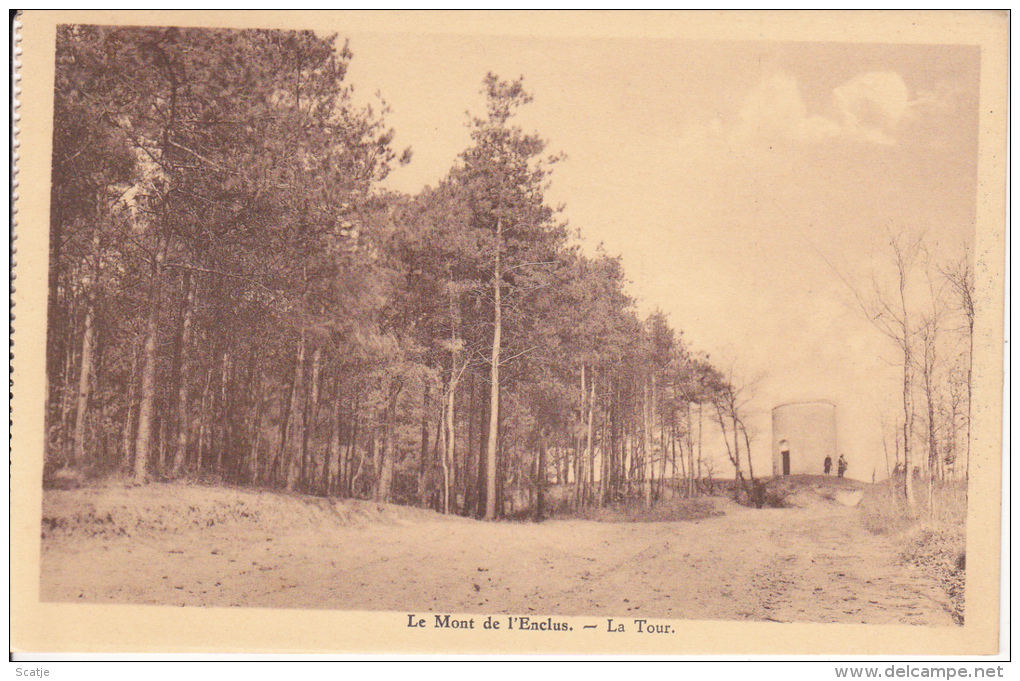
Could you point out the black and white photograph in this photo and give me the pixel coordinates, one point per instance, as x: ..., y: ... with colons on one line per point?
x: 591, y: 338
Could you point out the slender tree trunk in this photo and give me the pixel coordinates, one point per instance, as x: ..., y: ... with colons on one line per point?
x: 747, y: 447
x: 309, y: 419
x: 369, y: 444
x: 627, y: 462
x: 205, y: 419
x: 450, y: 451
x: 297, y: 391
x: 181, y: 445
x: 701, y: 426
x: 929, y: 364
x: 970, y: 369
x: 898, y: 434
x: 163, y: 437
x: 656, y: 409
x: 308, y: 408
x: 424, y: 464
x: 483, y: 459
x: 458, y: 467
x: 85, y: 368
x: 589, y: 455
x: 609, y: 468
x: 647, y: 446
x: 147, y: 398
x: 908, y: 399
x: 736, y: 440
x: 471, y: 475
x: 56, y: 350
x: 592, y: 471
x: 680, y: 477
x: 736, y: 451
x: 501, y: 473
x: 143, y: 440
x: 223, y: 420
x: 382, y: 492
x: 279, y: 463
x: 439, y: 461
x: 376, y: 444
x: 451, y: 440
x: 579, y: 444
x: 540, y: 479
x: 954, y: 433
x: 84, y: 385
x: 735, y: 460
x: 335, y: 450
x: 385, y: 462
x: 386, y: 475
x: 256, y: 445
x: 352, y: 446
x: 68, y: 387
x: 432, y: 488
x: 690, y: 452
x: 497, y: 340
x: 608, y: 448
x: 129, y: 411
x: 333, y: 453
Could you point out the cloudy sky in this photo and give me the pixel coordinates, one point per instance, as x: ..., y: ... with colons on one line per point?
x: 733, y: 177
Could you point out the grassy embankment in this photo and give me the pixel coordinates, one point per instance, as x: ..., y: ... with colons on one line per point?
x: 933, y: 536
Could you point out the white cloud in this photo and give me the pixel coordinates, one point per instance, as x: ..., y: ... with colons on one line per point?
x: 869, y: 108
x: 872, y: 105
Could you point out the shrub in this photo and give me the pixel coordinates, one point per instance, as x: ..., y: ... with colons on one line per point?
x: 933, y: 537
x: 884, y: 509
x: 884, y: 506
x: 669, y: 511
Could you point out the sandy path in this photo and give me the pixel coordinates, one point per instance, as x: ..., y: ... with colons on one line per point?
x: 815, y: 565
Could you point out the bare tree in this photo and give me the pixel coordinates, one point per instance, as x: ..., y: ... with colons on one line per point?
x: 890, y: 312
x: 960, y: 275
x: 731, y: 397
x: 928, y: 329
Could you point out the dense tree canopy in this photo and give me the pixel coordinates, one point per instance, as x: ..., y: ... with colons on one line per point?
x: 235, y: 298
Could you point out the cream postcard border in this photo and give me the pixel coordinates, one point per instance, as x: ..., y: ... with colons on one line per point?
x: 63, y: 627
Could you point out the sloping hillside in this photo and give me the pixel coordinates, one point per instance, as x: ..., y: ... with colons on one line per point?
x: 176, y: 509
x: 203, y: 546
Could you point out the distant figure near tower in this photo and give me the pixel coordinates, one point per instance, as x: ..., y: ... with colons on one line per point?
x: 841, y: 465
x: 803, y: 438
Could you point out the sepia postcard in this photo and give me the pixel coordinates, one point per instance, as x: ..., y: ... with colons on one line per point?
x: 598, y: 333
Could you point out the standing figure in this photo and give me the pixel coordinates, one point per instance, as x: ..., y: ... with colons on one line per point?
x: 828, y: 464
x: 841, y: 465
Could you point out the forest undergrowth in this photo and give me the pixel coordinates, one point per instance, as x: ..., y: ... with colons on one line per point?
x: 675, y: 510
x: 174, y: 508
x: 933, y: 538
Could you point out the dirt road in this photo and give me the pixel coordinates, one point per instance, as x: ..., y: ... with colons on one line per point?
x: 805, y: 565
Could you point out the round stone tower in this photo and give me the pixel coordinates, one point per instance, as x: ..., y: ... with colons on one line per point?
x: 803, y: 434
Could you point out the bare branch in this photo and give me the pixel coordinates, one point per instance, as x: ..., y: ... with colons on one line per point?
x: 240, y: 277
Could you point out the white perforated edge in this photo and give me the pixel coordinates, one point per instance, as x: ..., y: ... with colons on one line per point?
x: 16, y: 26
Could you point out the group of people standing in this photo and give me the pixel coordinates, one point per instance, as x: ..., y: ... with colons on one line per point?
x: 841, y: 465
